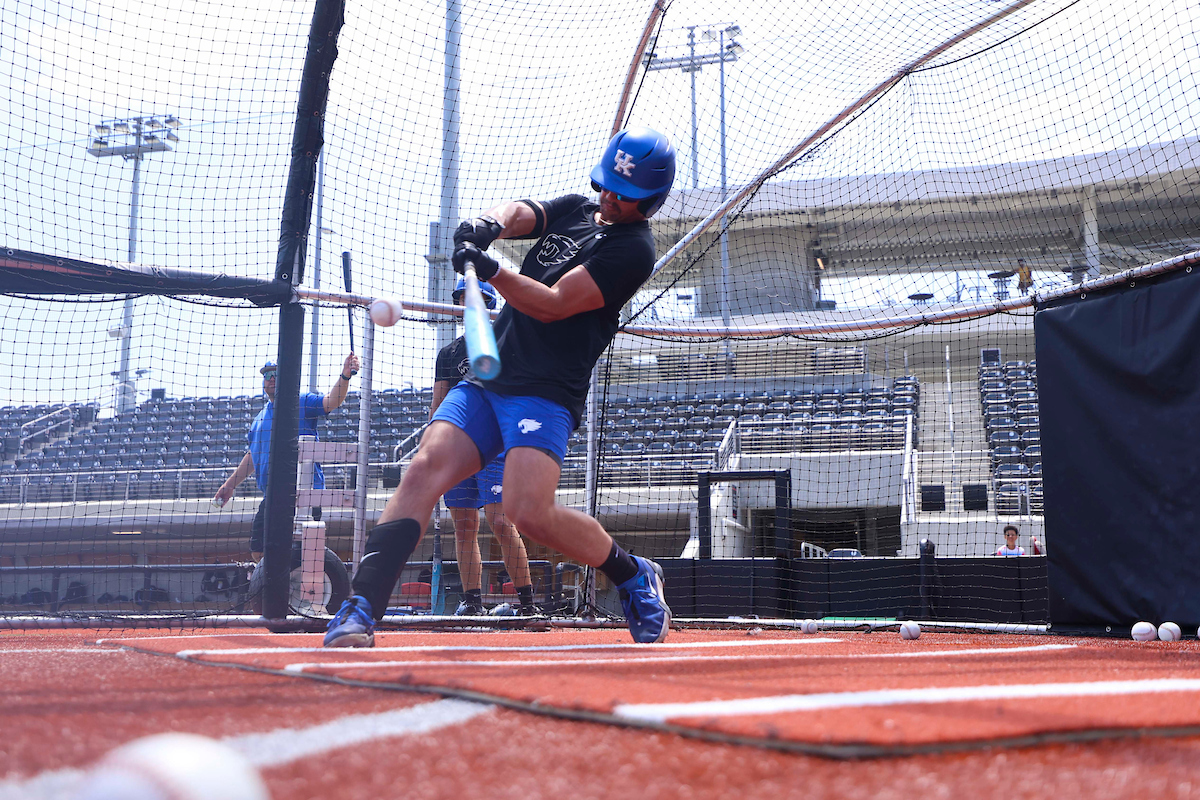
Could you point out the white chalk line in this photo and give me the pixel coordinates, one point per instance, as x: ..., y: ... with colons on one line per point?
x: 660, y: 712
x: 591, y: 662
x: 547, y: 648
x: 282, y: 746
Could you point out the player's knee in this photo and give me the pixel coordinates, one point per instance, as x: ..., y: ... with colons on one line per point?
x: 528, y: 517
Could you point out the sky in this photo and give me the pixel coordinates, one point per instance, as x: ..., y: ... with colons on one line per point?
x: 540, y: 86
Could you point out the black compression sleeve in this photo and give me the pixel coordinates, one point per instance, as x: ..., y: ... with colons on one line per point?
x: 619, y: 566
x: 539, y: 226
x: 388, y: 548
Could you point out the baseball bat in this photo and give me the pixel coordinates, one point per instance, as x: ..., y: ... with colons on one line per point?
x: 349, y: 308
x: 477, y: 329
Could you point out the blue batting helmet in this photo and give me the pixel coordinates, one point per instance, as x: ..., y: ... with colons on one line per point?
x: 485, y: 289
x: 638, y: 164
x: 268, y: 366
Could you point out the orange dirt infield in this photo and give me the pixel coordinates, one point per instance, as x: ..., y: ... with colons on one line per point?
x: 67, y: 701
x: 841, y: 695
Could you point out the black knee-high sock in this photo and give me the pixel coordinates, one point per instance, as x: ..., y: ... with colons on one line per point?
x: 387, y: 551
x: 620, y: 566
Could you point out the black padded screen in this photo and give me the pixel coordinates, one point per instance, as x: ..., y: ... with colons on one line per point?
x: 1119, y: 386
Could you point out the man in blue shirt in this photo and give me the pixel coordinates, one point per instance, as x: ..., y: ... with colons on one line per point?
x: 312, y: 407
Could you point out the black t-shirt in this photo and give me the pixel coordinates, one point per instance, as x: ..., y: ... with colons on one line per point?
x: 554, y: 360
x: 453, y: 364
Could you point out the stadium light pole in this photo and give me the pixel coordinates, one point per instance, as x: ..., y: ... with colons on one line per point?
x: 728, y: 49
x: 441, y: 230
x: 728, y: 52
x: 132, y: 138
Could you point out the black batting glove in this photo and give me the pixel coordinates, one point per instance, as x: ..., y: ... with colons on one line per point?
x: 486, y: 267
x: 481, y: 232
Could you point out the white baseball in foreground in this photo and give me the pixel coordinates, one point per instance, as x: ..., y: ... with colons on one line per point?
x: 808, y: 626
x: 910, y: 630
x: 1169, y: 632
x: 1144, y: 632
x: 386, y: 312
x: 179, y: 766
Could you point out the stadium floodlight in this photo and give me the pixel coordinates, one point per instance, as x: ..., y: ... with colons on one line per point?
x: 130, y: 142
x: 172, y: 121
x: 728, y: 49
x: 692, y: 63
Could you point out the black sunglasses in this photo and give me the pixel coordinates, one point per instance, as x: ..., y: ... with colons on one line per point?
x: 598, y: 188
x: 270, y: 374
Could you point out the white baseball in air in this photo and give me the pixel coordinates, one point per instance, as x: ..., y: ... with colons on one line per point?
x: 910, y: 630
x: 1144, y: 632
x: 1169, y: 632
x: 174, y: 766
x: 386, y: 312
x: 808, y: 626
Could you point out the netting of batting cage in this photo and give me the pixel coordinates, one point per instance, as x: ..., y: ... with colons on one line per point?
x: 833, y: 362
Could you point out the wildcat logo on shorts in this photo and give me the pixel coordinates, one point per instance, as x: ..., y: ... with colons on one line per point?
x: 529, y: 425
x: 497, y: 488
x: 623, y: 163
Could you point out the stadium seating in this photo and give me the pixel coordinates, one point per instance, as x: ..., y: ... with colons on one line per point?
x: 186, y: 446
x: 1009, y: 401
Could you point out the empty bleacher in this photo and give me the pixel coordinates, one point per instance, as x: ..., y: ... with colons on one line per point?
x: 169, y: 449
x: 1009, y: 401
x: 185, y: 448
x: 659, y: 440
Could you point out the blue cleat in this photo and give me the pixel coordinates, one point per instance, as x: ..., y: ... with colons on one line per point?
x: 352, y: 625
x: 645, y: 607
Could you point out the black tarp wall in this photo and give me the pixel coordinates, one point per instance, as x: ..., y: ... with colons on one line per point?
x: 1119, y: 387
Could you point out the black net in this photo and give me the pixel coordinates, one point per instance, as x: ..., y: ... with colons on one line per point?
x: 867, y: 204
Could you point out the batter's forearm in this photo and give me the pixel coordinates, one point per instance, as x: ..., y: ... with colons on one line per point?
x: 517, y: 218
x: 525, y: 294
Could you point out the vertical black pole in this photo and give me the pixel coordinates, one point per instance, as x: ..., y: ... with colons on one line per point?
x: 928, y: 565
x: 783, y: 514
x: 704, y: 515
x: 307, y: 141
x: 284, y: 453
x: 785, y: 572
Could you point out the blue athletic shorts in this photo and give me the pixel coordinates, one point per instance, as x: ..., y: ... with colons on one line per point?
x: 498, y: 422
x: 485, y: 486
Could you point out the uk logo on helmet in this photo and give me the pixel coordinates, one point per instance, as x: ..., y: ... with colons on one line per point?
x: 624, y: 163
